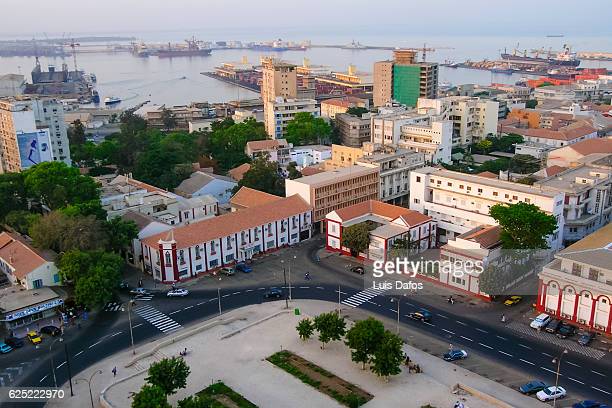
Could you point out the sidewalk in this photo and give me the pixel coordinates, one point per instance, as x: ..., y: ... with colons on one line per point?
x: 234, y: 348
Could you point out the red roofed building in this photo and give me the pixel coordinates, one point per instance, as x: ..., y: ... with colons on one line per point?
x: 569, y: 156
x: 561, y: 136
x: 391, y: 223
x: 190, y: 250
x: 26, y: 266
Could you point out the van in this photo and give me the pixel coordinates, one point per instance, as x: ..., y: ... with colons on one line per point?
x: 540, y: 322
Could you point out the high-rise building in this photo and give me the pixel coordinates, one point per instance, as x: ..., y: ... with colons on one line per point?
x: 404, y: 80
x: 32, y: 130
x: 279, y: 79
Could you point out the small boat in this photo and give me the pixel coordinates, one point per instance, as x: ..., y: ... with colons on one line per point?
x: 111, y: 100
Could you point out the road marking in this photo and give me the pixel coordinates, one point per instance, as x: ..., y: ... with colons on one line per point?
x: 448, y: 331
x: 171, y: 313
x: 573, y: 379
x: 95, y: 344
x: 482, y: 331
x: 115, y: 334
x: 549, y: 370
x: 525, y: 361
x: 524, y: 346
x: 503, y: 338
x: 442, y: 316
x: 374, y: 303
x: 408, y: 303
x: 60, y: 366
x: 138, y: 325
x: 79, y: 353
x: 261, y: 288
x: 212, y: 300
x: 304, y: 287
x: 598, y: 373
x: 574, y: 364
x: 393, y: 310
x: 429, y: 324
x: 342, y: 293
x: 467, y: 338
x: 187, y: 307
x: 43, y: 379
x: 236, y: 293
x: 461, y: 323
x: 547, y: 355
x: 599, y: 389
x: 201, y: 303
x: 320, y: 287
x: 225, y: 296
x: 504, y: 353
x: 249, y: 290
x: 484, y: 345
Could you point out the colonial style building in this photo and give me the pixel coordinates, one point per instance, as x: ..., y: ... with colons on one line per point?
x: 26, y: 266
x: 190, y: 250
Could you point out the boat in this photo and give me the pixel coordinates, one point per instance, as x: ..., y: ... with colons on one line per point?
x: 555, y: 36
x: 193, y: 49
x: 565, y: 58
x: 95, y: 97
x: 354, y: 46
x: 111, y: 100
x: 501, y: 70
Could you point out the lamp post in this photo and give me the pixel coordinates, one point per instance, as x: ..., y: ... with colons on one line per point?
x: 219, y: 299
x: 285, y: 278
x: 131, y: 304
x: 294, y: 258
x: 53, y: 360
x: 88, y: 381
x: 68, y: 368
x: 558, y: 361
x: 397, y: 300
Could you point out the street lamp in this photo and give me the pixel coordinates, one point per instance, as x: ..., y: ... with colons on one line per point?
x: 131, y: 304
x: 285, y: 278
x: 557, y: 360
x: 88, y: 381
x: 53, y: 360
x: 397, y: 300
x: 219, y: 299
x: 68, y: 367
x: 294, y: 259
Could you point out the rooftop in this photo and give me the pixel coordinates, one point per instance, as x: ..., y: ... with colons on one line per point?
x: 268, y: 144
x: 589, y: 146
x: 486, y: 236
x: 247, y: 197
x: 335, y: 176
x: 198, y: 180
x: 237, y: 173
x: 595, y: 249
x: 15, y: 297
x: 21, y: 256
x: 571, y: 180
x: 570, y: 132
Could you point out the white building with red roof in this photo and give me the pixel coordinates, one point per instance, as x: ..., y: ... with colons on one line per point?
x: 391, y: 223
x: 259, y: 223
x: 26, y: 266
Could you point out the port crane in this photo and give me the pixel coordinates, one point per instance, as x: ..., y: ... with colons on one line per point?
x: 424, y: 50
x: 73, y: 46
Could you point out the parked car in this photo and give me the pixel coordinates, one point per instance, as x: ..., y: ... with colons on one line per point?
x: 178, y: 292
x: 5, y: 348
x: 422, y: 315
x: 358, y: 269
x: 51, y: 330
x: 124, y: 285
x: 553, y: 326
x: 589, y: 404
x: 566, y: 330
x: 228, y: 271
x: 242, y: 267
x: 34, y: 337
x: 139, y: 291
x: 273, y: 293
x: 453, y: 355
x: 540, y: 321
x: 532, y: 387
x: 513, y: 300
x: 585, y: 338
x: 551, y: 393
x: 14, y: 342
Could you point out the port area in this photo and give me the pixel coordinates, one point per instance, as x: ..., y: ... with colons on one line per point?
x: 506, y: 67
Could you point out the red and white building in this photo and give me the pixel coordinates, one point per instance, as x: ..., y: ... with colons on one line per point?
x: 577, y: 285
x: 268, y: 223
x: 392, y: 222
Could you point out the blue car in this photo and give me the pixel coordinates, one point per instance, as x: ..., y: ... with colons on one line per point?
x: 242, y: 267
x: 532, y: 387
x: 589, y: 404
x: 455, y: 355
x: 5, y: 348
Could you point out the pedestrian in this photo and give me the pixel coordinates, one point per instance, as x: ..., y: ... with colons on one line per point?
x: 114, y: 370
x: 503, y: 318
x: 140, y: 283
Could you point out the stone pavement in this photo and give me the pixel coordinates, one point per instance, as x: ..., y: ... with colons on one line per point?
x: 233, y: 349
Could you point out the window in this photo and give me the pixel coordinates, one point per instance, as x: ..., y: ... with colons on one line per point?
x: 37, y: 283
x: 168, y: 259
x: 418, y: 179
x: 213, y: 246
x: 229, y: 258
x: 469, y: 188
x: 269, y: 229
x: 449, y: 184
x: 594, y: 274
x: 182, y: 257
x: 213, y: 263
x: 416, y: 200
x: 495, y: 194
x: 576, y: 269
x: 197, y: 252
x: 228, y: 241
x: 515, y: 197
x: 56, y: 278
x: 480, y: 190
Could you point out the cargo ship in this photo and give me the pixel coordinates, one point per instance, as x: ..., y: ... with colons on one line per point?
x: 278, y: 46
x: 565, y: 58
x: 193, y: 49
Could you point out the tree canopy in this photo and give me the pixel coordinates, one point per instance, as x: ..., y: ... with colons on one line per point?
x: 169, y: 374
x: 150, y: 396
x: 523, y: 226
x: 364, y: 338
x: 228, y: 140
x: 356, y: 237
x: 388, y: 357
x: 357, y: 111
x: 305, y: 129
x: 263, y: 176
x: 331, y: 327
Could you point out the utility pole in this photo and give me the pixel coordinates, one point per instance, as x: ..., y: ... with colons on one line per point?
x: 130, y: 305
x: 338, y: 298
x: 558, y: 361
x: 286, y: 297
x: 68, y: 367
x: 219, y: 299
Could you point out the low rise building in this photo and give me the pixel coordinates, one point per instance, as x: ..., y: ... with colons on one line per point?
x: 571, y: 155
x: 433, y: 140
x: 331, y: 107
x: 26, y: 266
x: 336, y: 189
x: 27, y: 308
x: 354, y: 130
x: 182, y: 115
x: 147, y: 226
x: 202, y: 183
x: 12, y: 85
x: 538, y: 150
x: 188, y: 251
x: 309, y: 155
x: 237, y: 173
x: 577, y: 285
x: 390, y: 223
x: 386, y: 126
x: 575, y: 132
x: 202, y: 125
x: 240, y: 115
x: 278, y: 150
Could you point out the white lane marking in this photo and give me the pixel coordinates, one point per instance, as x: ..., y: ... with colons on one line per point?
x: 467, y: 338
x: 574, y: 364
x: 573, y: 379
x: 79, y: 353
x: 342, y: 293
x: 429, y: 324
x: 304, y: 287
x: 503, y: 338
x: 461, y: 323
x: 547, y: 355
x: 393, y: 310
x: 197, y: 304
x: 442, y: 316
x: 480, y: 330
x: 503, y: 352
x: 525, y: 361
x: 261, y: 288
x: 212, y: 300
x: 487, y: 346
x: 187, y: 307
x: 138, y: 325
x: 60, y: 366
x: 95, y: 344
x: 524, y: 346
x: 225, y: 296
x: 599, y: 389
x: 249, y: 290
x: 171, y: 313
x: 374, y: 303
x: 115, y: 334
x: 409, y: 304
x: 598, y: 373
x: 320, y: 288
x: 448, y: 331
x: 236, y: 293
x: 43, y: 379
x: 549, y: 370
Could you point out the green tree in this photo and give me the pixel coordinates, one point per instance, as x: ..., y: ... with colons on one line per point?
x: 120, y: 233
x: 524, y: 164
x: 21, y: 221
x: 485, y: 145
x: 62, y: 233
x: 495, y: 166
x: 363, y: 339
x: 523, y: 226
x: 506, y: 143
x: 263, y: 176
x: 76, y: 134
x: 356, y: 238
x: 331, y: 327
x: 388, y: 357
x: 294, y: 173
x: 150, y: 396
x: 228, y: 140
x: 98, y: 286
x: 305, y: 328
x: 169, y: 374
x: 305, y: 129
x: 357, y: 111
x: 198, y: 401
x: 531, y: 104
x: 85, y: 209
x: 13, y: 194
x: 73, y: 265
x: 107, y: 152
x: 168, y: 119
x: 529, y: 180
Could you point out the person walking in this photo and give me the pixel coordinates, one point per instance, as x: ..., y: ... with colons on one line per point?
x: 114, y: 370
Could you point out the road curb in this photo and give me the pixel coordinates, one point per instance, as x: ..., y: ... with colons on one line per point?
x: 255, y: 323
x: 482, y: 395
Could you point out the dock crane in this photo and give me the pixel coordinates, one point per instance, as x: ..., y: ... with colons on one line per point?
x: 73, y: 46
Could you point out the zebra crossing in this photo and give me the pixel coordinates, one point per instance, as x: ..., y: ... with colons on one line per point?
x: 112, y: 306
x: 362, y: 297
x: 157, y: 318
x: 143, y: 298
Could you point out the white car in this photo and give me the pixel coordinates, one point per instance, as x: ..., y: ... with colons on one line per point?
x: 139, y: 291
x: 177, y: 292
x: 540, y: 322
x: 551, y: 393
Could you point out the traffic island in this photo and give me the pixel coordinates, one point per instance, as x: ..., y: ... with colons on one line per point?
x: 328, y: 383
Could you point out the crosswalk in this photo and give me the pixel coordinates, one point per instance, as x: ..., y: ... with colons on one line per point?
x: 157, y: 318
x: 362, y: 297
x: 143, y: 298
x: 112, y: 306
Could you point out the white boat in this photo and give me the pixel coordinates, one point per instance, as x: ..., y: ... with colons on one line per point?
x: 111, y: 100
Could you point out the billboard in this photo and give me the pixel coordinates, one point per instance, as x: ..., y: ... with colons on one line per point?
x: 34, y: 148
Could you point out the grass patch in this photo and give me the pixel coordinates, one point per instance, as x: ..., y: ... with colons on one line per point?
x: 328, y: 383
x: 218, y: 392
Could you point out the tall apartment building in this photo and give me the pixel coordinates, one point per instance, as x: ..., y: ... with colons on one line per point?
x: 336, y: 189
x: 386, y: 126
x: 473, y: 119
x: 31, y: 131
x: 279, y: 79
x: 404, y: 80
x: 460, y: 202
x: 354, y: 130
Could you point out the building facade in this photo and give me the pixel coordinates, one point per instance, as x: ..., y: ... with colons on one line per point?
x: 278, y: 150
x: 279, y: 79
x: 331, y: 107
x: 26, y: 266
x: 433, y: 140
x: 282, y: 111
x: 354, y: 131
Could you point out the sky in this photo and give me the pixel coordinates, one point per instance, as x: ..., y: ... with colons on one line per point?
x: 445, y: 17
